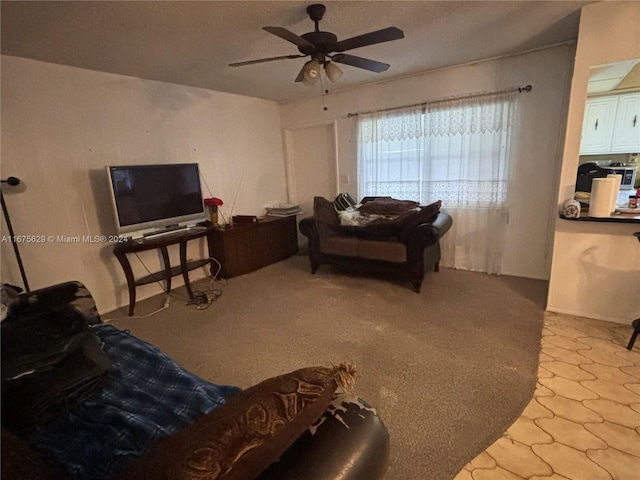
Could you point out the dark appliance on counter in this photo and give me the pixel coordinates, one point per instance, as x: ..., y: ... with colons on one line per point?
x: 586, y: 173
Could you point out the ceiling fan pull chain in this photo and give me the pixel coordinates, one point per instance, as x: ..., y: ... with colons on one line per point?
x: 324, y: 95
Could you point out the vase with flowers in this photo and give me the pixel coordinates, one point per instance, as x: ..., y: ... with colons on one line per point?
x: 212, y: 204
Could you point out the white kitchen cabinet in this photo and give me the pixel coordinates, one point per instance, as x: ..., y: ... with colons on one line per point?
x: 611, y: 124
x: 597, y: 126
x: 626, y: 132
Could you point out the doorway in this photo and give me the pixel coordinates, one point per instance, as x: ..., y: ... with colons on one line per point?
x: 311, y: 166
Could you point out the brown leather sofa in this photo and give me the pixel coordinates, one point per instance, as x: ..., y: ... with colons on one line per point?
x: 410, y: 248
x: 300, y: 425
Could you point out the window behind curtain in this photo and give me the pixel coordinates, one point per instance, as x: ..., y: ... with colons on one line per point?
x: 455, y: 151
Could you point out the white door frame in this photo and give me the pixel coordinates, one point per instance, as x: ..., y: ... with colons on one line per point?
x: 289, y: 154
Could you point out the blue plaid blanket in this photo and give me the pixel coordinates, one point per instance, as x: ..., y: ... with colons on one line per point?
x: 146, y: 397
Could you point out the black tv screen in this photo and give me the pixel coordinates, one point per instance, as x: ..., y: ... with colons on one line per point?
x: 155, y: 196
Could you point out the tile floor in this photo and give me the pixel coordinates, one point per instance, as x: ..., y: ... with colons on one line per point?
x: 583, y: 422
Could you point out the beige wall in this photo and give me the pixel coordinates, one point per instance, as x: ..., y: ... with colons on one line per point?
x: 539, y: 130
x: 61, y: 126
x: 596, y: 266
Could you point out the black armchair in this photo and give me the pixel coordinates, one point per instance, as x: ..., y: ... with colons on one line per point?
x: 411, y: 250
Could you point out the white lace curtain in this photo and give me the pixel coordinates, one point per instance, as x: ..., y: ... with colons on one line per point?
x: 456, y: 151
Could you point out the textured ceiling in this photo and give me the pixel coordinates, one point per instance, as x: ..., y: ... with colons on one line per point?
x: 192, y: 43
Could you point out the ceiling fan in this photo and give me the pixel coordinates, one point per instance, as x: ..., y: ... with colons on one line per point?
x: 325, y: 49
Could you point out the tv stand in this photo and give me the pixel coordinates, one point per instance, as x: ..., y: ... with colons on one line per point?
x: 161, y: 241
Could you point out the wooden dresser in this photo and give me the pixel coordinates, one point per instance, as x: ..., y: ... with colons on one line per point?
x: 246, y: 247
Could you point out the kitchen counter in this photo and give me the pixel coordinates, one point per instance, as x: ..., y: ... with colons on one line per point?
x: 622, y: 214
x: 613, y: 218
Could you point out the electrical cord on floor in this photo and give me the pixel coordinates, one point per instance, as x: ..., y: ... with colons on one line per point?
x: 214, y: 277
x: 164, y: 307
x: 201, y: 299
x: 204, y: 299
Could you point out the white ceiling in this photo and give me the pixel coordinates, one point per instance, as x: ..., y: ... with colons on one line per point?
x: 605, y: 78
x: 192, y: 43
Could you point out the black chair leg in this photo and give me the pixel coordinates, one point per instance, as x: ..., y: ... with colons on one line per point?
x: 636, y: 330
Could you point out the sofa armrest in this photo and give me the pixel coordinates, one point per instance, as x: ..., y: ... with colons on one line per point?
x: 427, y: 234
x: 308, y: 228
x: 421, y: 235
x: 241, y: 438
x: 62, y: 298
x: 349, y: 442
x: 442, y: 223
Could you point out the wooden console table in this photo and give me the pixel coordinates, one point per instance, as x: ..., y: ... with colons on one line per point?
x: 161, y: 242
x: 246, y: 247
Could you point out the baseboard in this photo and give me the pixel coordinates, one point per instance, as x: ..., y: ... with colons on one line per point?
x: 588, y: 315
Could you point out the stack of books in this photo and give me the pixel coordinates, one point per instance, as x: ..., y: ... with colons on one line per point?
x: 283, y: 209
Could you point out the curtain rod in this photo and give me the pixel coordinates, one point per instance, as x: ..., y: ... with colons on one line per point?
x: 526, y: 88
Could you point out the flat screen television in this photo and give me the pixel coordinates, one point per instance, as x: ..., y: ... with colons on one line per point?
x: 155, y: 197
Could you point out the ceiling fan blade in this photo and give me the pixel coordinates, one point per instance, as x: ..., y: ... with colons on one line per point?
x: 371, y: 38
x: 289, y: 36
x: 359, y: 62
x: 261, y: 60
x: 300, y: 76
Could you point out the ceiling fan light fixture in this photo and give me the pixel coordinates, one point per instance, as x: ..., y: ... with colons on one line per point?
x: 322, y: 46
x: 311, y: 72
x: 333, y: 71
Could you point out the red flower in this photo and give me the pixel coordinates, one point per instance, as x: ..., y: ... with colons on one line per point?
x: 213, y: 201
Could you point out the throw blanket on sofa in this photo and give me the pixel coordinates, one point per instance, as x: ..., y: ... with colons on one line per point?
x: 387, y: 206
x: 146, y: 397
x: 378, y: 211
x: 377, y: 219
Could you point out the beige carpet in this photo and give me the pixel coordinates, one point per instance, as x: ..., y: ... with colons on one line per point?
x: 448, y: 370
